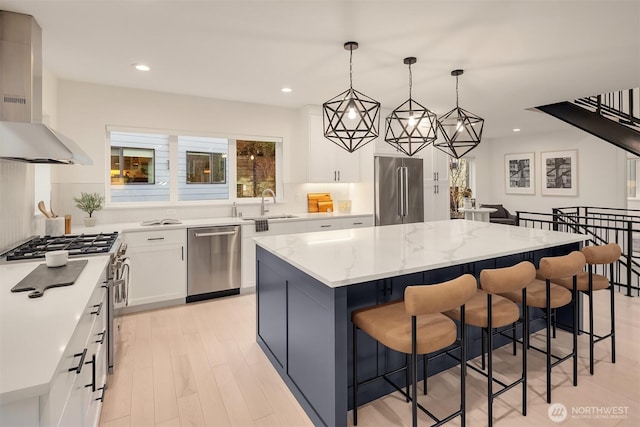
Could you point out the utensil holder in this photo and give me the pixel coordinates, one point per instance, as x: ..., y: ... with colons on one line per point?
x: 54, y: 226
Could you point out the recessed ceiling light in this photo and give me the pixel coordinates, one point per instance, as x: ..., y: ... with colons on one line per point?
x: 516, y: 130
x: 286, y: 90
x: 141, y: 67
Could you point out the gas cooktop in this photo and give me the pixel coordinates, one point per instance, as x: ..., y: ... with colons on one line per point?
x: 77, y: 245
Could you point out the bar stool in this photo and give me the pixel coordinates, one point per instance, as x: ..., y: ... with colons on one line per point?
x: 490, y: 311
x: 541, y: 293
x: 416, y: 326
x: 588, y: 281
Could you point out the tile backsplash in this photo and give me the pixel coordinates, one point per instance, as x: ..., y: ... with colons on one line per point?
x: 17, y: 204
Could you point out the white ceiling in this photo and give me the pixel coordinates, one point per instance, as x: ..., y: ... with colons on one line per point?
x: 516, y: 54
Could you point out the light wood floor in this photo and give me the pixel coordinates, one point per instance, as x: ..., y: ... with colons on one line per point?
x: 199, y: 364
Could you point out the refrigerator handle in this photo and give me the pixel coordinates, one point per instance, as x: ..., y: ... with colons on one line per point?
x: 405, y: 183
x: 400, y: 181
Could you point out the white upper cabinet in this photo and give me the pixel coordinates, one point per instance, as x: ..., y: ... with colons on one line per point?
x: 327, y: 161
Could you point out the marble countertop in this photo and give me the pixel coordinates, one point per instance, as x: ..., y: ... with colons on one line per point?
x: 34, y: 332
x: 207, y: 222
x: 343, y: 257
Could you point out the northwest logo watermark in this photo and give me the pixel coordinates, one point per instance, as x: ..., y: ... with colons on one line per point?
x: 559, y: 412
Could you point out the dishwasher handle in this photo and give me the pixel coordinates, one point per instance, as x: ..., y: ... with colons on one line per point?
x: 218, y: 233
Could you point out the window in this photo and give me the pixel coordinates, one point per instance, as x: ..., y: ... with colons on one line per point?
x: 132, y: 166
x: 202, y: 168
x: 148, y: 167
x: 256, y: 167
x: 206, y: 168
x: 139, y: 167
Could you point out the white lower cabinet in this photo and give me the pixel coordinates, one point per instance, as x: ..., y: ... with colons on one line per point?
x: 158, y: 268
x: 88, y: 368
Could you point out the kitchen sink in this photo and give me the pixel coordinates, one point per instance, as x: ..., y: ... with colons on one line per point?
x: 274, y: 216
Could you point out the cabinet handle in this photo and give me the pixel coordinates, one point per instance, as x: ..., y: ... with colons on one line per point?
x: 97, y: 312
x: 105, y: 284
x: 325, y: 226
x: 182, y: 253
x: 218, y: 233
x: 93, y: 373
x: 101, y: 398
x: 155, y: 238
x: 335, y: 176
x: 357, y: 223
x: 101, y: 335
x: 338, y: 175
x: 82, y: 355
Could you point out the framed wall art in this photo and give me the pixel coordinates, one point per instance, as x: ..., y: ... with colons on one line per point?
x: 559, y: 173
x: 519, y: 173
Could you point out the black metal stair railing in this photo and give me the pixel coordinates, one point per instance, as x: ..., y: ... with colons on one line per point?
x: 601, y: 225
x: 623, y: 106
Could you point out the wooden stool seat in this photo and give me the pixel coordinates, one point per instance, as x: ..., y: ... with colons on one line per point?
x: 389, y: 324
x: 503, y: 311
x: 589, y: 281
x: 537, y: 295
x: 541, y: 293
x: 600, y: 282
x: 416, y: 326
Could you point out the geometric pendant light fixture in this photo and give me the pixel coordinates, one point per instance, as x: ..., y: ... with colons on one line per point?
x: 351, y: 119
x: 460, y: 130
x: 411, y: 127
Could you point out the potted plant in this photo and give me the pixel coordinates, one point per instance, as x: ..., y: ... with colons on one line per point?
x: 89, y: 203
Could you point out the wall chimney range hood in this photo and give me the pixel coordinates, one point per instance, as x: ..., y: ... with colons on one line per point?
x: 23, y: 136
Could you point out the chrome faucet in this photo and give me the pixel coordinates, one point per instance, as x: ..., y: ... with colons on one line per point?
x: 263, y: 209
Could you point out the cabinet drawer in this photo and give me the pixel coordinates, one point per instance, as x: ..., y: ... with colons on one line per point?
x: 324, y: 225
x: 157, y: 237
x: 81, y: 343
x: 357, y: 222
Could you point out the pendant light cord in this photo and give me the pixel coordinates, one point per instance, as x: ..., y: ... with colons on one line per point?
x: 457, y: 92
x: 410, y: 81
x: 351, y: 67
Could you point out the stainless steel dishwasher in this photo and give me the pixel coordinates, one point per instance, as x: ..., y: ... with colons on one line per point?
x: 213, y: 262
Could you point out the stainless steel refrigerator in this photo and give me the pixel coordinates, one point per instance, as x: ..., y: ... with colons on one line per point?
x: 398, y: 188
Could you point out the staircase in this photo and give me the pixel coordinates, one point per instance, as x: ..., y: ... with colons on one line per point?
x: 601, y: 225
x: 614, y: 117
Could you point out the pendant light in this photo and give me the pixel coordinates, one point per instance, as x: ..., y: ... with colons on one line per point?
x: 460, y: 129
x: 351, y: 119
x: 411, y: 127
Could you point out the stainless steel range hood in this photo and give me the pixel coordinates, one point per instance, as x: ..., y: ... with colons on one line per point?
x: 23, y: 136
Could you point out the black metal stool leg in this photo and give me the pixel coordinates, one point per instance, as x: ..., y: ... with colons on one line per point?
x: 490, y: 362
x: 548, y: 312
x: 575, y: 331
x: 591, y: 340
x: 425, y: 369
x: 407, y: 374
x: 414, y: 372
x: 513, y: 337
x: 482, y: 347
x: 355, y: 376
x: 613, y: 318
x: 525, y: 345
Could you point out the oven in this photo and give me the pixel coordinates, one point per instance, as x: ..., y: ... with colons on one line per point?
x: 118, y: 297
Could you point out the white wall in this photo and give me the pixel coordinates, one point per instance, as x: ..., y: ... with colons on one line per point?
x: 84, y: 111
x: 17, y: 182
x: 601, y: 171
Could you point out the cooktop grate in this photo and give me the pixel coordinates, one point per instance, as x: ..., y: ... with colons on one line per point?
x: 77, y: 245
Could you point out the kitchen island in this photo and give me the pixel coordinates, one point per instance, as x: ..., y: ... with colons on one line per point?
x: 308, y: 284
